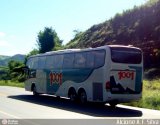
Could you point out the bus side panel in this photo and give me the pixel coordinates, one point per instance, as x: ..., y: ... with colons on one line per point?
x: 90, y: 80
x: 60, y: 81
x: 41, y: 81
x: 53, y: 81
x: 97, y: 81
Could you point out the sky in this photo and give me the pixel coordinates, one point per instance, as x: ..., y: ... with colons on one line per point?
x: 21, y: 20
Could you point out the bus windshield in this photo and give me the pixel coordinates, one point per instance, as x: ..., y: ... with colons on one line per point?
x: 126, y: 55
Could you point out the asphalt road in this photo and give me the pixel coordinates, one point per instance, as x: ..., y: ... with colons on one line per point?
x: 16, y: 103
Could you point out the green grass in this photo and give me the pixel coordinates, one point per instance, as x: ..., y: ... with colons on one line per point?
x: 11, y: 83
x: 150, y: 96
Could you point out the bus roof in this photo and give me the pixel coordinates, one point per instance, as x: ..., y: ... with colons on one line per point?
x: 123, y: 46
x: 81, y: 50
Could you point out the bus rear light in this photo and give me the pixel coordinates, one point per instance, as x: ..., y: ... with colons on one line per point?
x: 108, y: 85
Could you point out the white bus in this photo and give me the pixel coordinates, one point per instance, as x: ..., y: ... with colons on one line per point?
x: 109, y: 74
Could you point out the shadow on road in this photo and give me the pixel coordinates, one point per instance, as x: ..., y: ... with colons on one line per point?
x: 90, y: 109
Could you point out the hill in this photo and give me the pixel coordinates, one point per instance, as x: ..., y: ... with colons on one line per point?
x: 2, y: 57
x: 139, y: 26
x: 5, y: 59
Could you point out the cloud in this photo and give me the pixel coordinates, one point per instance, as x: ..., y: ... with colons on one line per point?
x: 2, y: 34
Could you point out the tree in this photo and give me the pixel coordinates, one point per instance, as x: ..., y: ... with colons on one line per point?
x: 31, y: 53
x: 47, y: 40
x: 15, y: 71
x: 76, y: 32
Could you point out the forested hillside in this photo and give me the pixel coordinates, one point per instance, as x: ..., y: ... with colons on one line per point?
x: 139, y: 26
x: 5, y: 59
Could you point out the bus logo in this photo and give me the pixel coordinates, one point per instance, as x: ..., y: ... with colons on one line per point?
x: 126, y: 74
x: 55, y: 78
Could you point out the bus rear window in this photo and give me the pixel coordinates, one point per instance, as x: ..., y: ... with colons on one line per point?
x: 126, y: 55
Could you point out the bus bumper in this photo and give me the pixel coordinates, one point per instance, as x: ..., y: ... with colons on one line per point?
x: 123, y: 98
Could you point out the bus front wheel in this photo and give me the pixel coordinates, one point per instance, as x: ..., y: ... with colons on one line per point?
x: 35, y: 93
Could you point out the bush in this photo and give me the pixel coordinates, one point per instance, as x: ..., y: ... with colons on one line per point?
x: 11, y: 83
x: 150, y: 96
x: 151, y: 74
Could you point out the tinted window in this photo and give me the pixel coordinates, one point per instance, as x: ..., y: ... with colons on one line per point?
x: 68, y: 61
x: 50, y: 62
x: 80, y: 60
x: 99, y: 60
x: 90, y: 59
x: 58, y: 61
x: 41, y: 62
x: 126, y: 55
x: 34, y: 63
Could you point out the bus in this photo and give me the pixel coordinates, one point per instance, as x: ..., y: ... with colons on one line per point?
x: 107, y: 74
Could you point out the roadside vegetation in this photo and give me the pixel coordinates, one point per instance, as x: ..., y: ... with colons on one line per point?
x: 151, y: 95
x: 13, y: 71
x: 11, y: 83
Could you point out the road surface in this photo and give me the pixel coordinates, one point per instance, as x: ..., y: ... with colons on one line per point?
x: 16, y: 103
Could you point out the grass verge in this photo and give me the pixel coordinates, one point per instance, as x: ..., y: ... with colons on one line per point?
x: 150, y: 96
x: 11, y: 83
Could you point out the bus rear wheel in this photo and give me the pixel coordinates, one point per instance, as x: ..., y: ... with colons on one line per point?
x: 113, y: 104
x: 72, y: 95
x: 82, y: 97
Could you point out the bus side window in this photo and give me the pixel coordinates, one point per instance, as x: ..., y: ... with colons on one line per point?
x: 99, y: 58
x: 58, y: 61
x: 49, y: 62
x: 41, y: 62
x: 90, y: 59
x: 35, y: 63
x: 68, y: 60
x: 80, y: 60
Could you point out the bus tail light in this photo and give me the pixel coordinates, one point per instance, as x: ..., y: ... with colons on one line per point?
x: 108, y: 85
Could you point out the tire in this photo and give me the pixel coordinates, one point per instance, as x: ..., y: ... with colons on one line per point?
x: 58, y: 97
x: 35, y: 93
x: 72, y: 95
x: 113, y: 105
x: 83, y: 97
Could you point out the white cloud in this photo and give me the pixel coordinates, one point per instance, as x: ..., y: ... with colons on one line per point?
x: 2, y: 34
